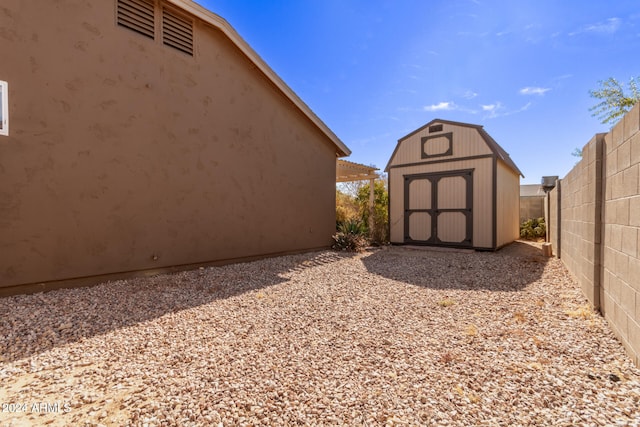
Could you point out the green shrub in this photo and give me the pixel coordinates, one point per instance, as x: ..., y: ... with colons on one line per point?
x: 533, y: 229
x: 352, y: 226
x: 351, y: 236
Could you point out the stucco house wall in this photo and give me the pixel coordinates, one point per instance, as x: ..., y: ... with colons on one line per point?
x: 126, y: 154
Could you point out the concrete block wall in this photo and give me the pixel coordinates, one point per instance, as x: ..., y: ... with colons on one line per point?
x: 531, y: 207
x: 552, y: 218
x: 597, y: 209
x: 621, y: 222
x: 581, y: 193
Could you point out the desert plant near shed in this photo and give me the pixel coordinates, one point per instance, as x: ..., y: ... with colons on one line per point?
x: 533, y: 229
x: 351, y: 236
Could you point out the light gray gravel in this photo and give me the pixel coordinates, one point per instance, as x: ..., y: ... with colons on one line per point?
x: 391, y: 336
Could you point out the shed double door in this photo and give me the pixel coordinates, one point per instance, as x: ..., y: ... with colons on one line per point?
x: 438, y: 208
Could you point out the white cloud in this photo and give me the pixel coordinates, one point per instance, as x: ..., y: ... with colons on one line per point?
x: 524, y: 108
x: 529, y: 90
x: 564, y: 76
x: 442, y: 106
x: 609, y: 26
x: 469, y: 94
x: 499, y: 110
x: 491, y: 107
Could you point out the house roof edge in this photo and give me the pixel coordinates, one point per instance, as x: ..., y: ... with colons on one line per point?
x: 220, y: 23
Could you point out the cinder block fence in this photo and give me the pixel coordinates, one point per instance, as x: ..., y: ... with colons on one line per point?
x: 594, y: 224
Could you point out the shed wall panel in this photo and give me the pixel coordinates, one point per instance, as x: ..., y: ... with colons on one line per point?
x: 482, y: 197
x: 420, y: 226
x: 451, y: 227
x: 508, y: 205
x: 423, y: 188
x: 451, y: 193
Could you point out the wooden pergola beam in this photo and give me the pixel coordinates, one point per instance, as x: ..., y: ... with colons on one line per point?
x: 350, y: 178
x: 349, y: 171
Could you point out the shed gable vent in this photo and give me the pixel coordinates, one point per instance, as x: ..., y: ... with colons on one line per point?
x: 137, y: 15
x: 435, y: 128
x: 177, y: 31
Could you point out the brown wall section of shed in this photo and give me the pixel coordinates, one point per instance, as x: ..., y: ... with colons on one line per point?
x: 126, y: 155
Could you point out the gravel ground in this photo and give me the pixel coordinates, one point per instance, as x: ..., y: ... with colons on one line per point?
x: 391, y: 336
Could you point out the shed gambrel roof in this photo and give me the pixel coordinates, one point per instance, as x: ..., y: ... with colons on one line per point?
x: 491, y: 143
x: 221, y: 24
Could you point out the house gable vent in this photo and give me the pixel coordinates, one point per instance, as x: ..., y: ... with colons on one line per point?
x: 177, y: 31
x: 137, y: 15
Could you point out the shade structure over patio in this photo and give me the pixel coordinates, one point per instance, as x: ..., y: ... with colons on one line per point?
x: 350, y: 171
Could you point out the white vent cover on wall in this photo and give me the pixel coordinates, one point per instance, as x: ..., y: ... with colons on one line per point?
x: 177, y: 31
x: 137, y: 15
x: 4, y: 108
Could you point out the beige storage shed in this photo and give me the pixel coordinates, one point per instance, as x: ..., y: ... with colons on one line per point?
x: 451, y: 184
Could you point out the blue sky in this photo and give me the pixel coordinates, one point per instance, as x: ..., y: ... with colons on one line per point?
x: 376, y: 70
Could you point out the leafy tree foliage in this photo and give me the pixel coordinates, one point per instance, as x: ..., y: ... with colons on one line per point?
x: 378, y: 229
x: 346, y: 208
x: 614, y: 101
x: 352, y: 204
x: 577, y: 152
